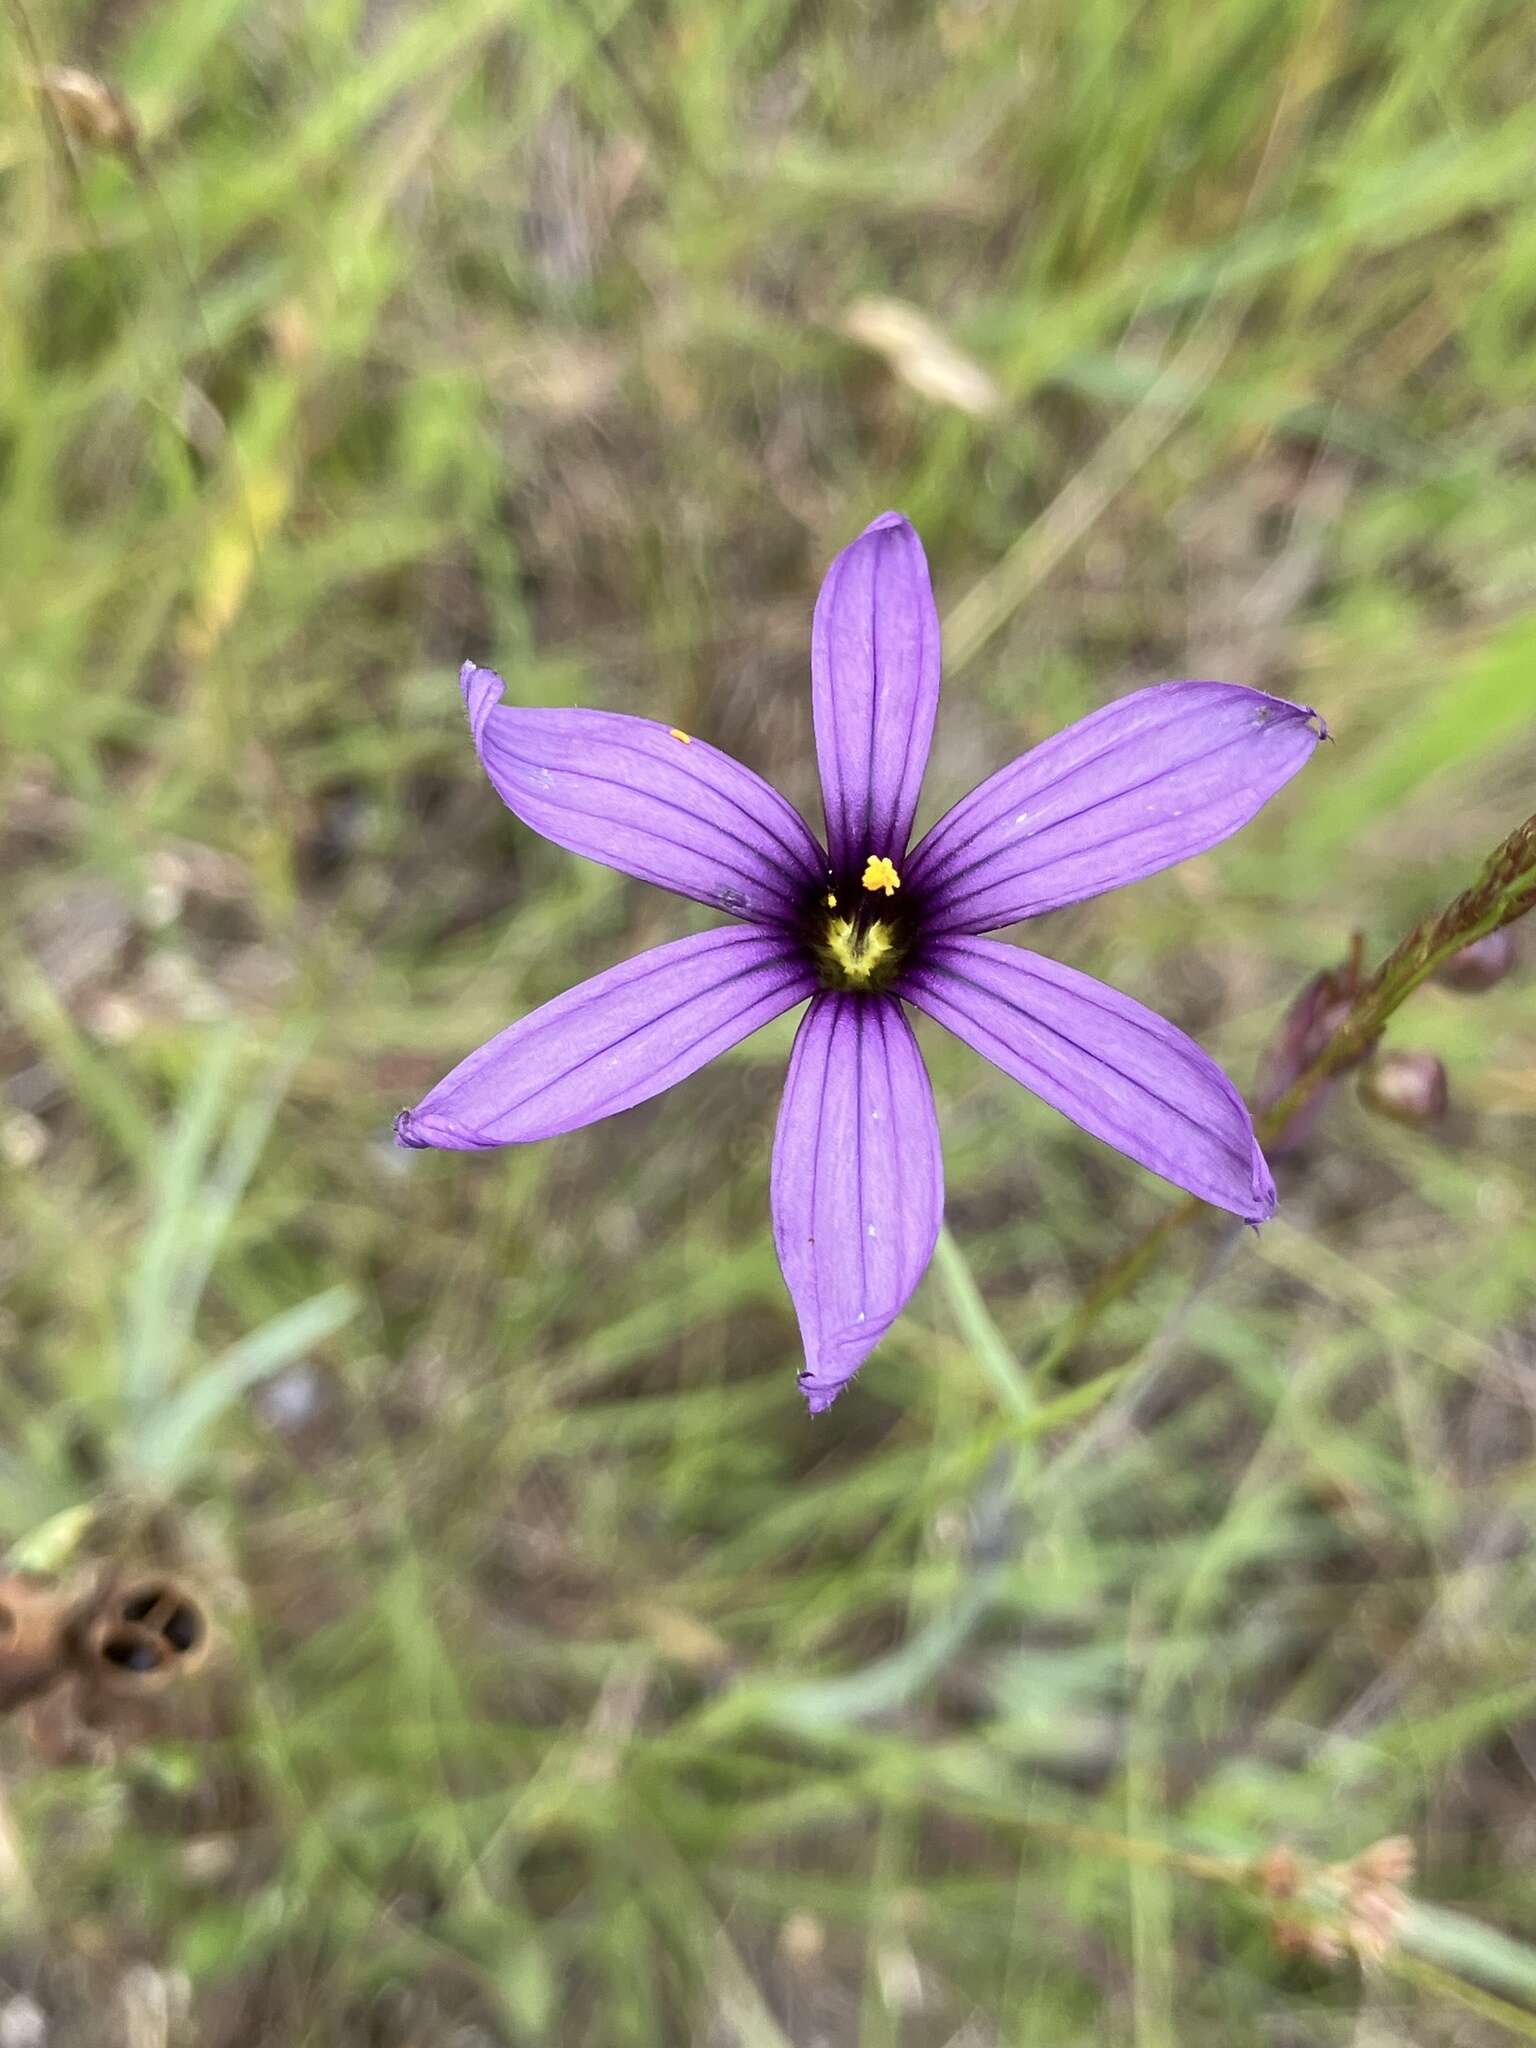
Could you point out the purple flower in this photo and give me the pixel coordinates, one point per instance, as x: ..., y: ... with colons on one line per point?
x: 866, y: 927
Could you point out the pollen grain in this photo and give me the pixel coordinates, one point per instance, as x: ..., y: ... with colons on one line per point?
x: 674, y: 734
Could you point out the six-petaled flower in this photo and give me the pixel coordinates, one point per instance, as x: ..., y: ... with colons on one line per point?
x: 863, y: 927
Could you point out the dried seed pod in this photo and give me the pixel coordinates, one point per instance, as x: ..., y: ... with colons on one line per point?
x: 92, y: 112
x: 1409, y: 1087
x: 32, y: 1637
x: 1389, y: 1861
x: 139, y: 1636
x: 1279, y: 1873
x: 1481, y: 965
x: 1375, y: 1899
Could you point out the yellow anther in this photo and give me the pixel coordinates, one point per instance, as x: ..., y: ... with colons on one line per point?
x: 674, y: 734
x: 879, y: 873
x: 831, y: 901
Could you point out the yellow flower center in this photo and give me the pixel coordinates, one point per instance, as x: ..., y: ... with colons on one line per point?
x: 879, y: 873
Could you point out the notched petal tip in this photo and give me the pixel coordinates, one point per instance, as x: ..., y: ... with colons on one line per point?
x: 419, y: 1130
x: 818, y: 1395
x: 838, y: 1361
x: 482, y: 690
x: 1283, y: 711
x: 891, y: 522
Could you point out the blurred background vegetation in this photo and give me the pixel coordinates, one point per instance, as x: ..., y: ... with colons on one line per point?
x: 571, y: 1687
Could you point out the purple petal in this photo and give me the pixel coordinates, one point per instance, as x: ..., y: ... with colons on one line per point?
x: 646, y: 799
x: 1145, y: 782
x: 874, y: 690
x: 613, y: 1041
x: 858, y: 1182
x: 1121, y: 1071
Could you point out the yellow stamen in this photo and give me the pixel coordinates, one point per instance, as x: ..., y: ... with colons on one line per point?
x: 831, y: 901
x: 858, y: 954
x: 879, y: 873
x: 674, y: 734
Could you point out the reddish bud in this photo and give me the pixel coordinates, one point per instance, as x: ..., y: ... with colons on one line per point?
x: 1307, y: 1027
x: 1481, y: 965
x: 1409, y: 1087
